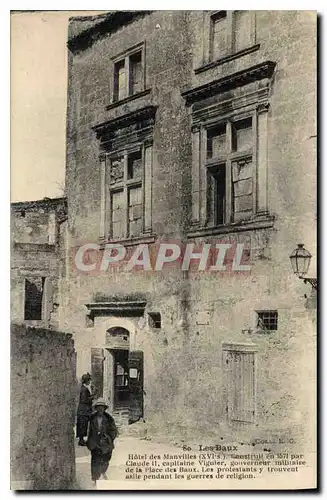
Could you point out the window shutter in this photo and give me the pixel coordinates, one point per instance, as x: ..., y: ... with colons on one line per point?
x: 136, y: 391
x: 97, y: 359
x: 47, y: 301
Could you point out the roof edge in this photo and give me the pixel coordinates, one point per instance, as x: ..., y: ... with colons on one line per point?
x: 111, y: 22
x: 44, y: 202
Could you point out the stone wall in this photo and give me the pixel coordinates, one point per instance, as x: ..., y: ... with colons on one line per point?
x: 43, y: 393
x: 35, y: 229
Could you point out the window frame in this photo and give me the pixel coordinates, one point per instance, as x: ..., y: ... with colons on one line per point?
x: 42, y: 297
x: 126, y: 57
x: 230, y: 33
x: 125, y: 185
x: 266, y: 311
x: 155, y: 319
x: 214, y: 163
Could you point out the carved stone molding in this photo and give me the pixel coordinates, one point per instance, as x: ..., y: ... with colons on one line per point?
x: 131, y: 127
x: 128, y: 308
x: 240, y: 78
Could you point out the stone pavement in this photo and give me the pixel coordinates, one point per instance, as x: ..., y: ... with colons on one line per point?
x: 116, y: 472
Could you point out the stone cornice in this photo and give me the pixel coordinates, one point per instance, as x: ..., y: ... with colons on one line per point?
x: 130, y: 98
x: 146, y: 113
x: 229, y: 82
x: 265, y: 222
x: 34, y: 247
x: 257, y: 99
x: 110, y: 23
x: 131, y: 308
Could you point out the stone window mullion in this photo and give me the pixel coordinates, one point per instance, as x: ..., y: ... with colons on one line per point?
x: 103, y: 196
x: 126, y: 204
x: 229, y: 201
x: 262, y: 167
x: 254, y: 160
x: 196, y: 165
x: 203, y: 177
x: 147, y: 159
x: 128, y: 77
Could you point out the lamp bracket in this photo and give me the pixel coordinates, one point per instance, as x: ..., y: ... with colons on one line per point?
x: 313, y: 282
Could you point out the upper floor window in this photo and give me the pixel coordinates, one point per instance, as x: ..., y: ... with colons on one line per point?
x: 229, y: 154
x: 230, y: 32
x: 129, y: 74
x: 126, y: 208
x: 126, y: 175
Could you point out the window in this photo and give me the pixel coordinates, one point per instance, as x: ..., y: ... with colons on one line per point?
x: 229, y: 153
x: 126, y: 194
x: 136, y: 73
x: 120, y: 81
x: 218, y: 183
x: 219, y: 44
x: 267, y: 320
x: 126, y: 155
x: 155, y: 320
x: 231, y: 32
x: 242, y: 29
x: 128, y: 75
x: 34, y: 290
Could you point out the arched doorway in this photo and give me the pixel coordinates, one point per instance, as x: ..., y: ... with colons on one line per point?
x: 122, y: 376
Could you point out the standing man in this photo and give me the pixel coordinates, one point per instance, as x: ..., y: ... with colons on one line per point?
x: 102, y: 433
x: 84, y: 409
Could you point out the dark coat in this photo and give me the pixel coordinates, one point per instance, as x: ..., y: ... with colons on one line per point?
x: 104, y: 437
x: 85, y: 402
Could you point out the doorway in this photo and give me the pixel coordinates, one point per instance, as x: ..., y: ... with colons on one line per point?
x: 117, y: 374
x: 120, y: 379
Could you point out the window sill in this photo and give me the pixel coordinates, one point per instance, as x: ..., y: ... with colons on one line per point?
x: 250, y: 225
x: 36, y: 323
x: 128, y: 99
x: 128, y: 242
x: 227, y: 58
x: 35, y: 247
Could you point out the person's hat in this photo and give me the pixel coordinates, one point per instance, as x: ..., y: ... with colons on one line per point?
x: 86, y: 378
x: 100, y: 402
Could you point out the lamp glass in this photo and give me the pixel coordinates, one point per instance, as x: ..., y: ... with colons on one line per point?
x: 300, y: 260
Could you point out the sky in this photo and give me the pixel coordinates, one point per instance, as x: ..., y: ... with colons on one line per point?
x: 38, y: 103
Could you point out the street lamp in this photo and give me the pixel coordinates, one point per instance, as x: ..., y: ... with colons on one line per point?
x: 300, y: 260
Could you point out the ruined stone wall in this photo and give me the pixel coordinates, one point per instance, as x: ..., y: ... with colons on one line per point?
x: 35, y: 228
x: 43, y: 391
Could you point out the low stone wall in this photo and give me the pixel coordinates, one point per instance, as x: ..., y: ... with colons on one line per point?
x: 43, y: 403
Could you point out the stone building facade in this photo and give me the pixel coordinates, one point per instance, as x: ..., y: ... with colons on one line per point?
x: 194, y: 127
x: 36, y: 260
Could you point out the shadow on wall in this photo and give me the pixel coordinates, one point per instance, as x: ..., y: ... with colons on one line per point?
x: 43, y: 403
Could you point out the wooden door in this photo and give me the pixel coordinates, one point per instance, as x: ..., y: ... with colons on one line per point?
x: 240, y: 386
